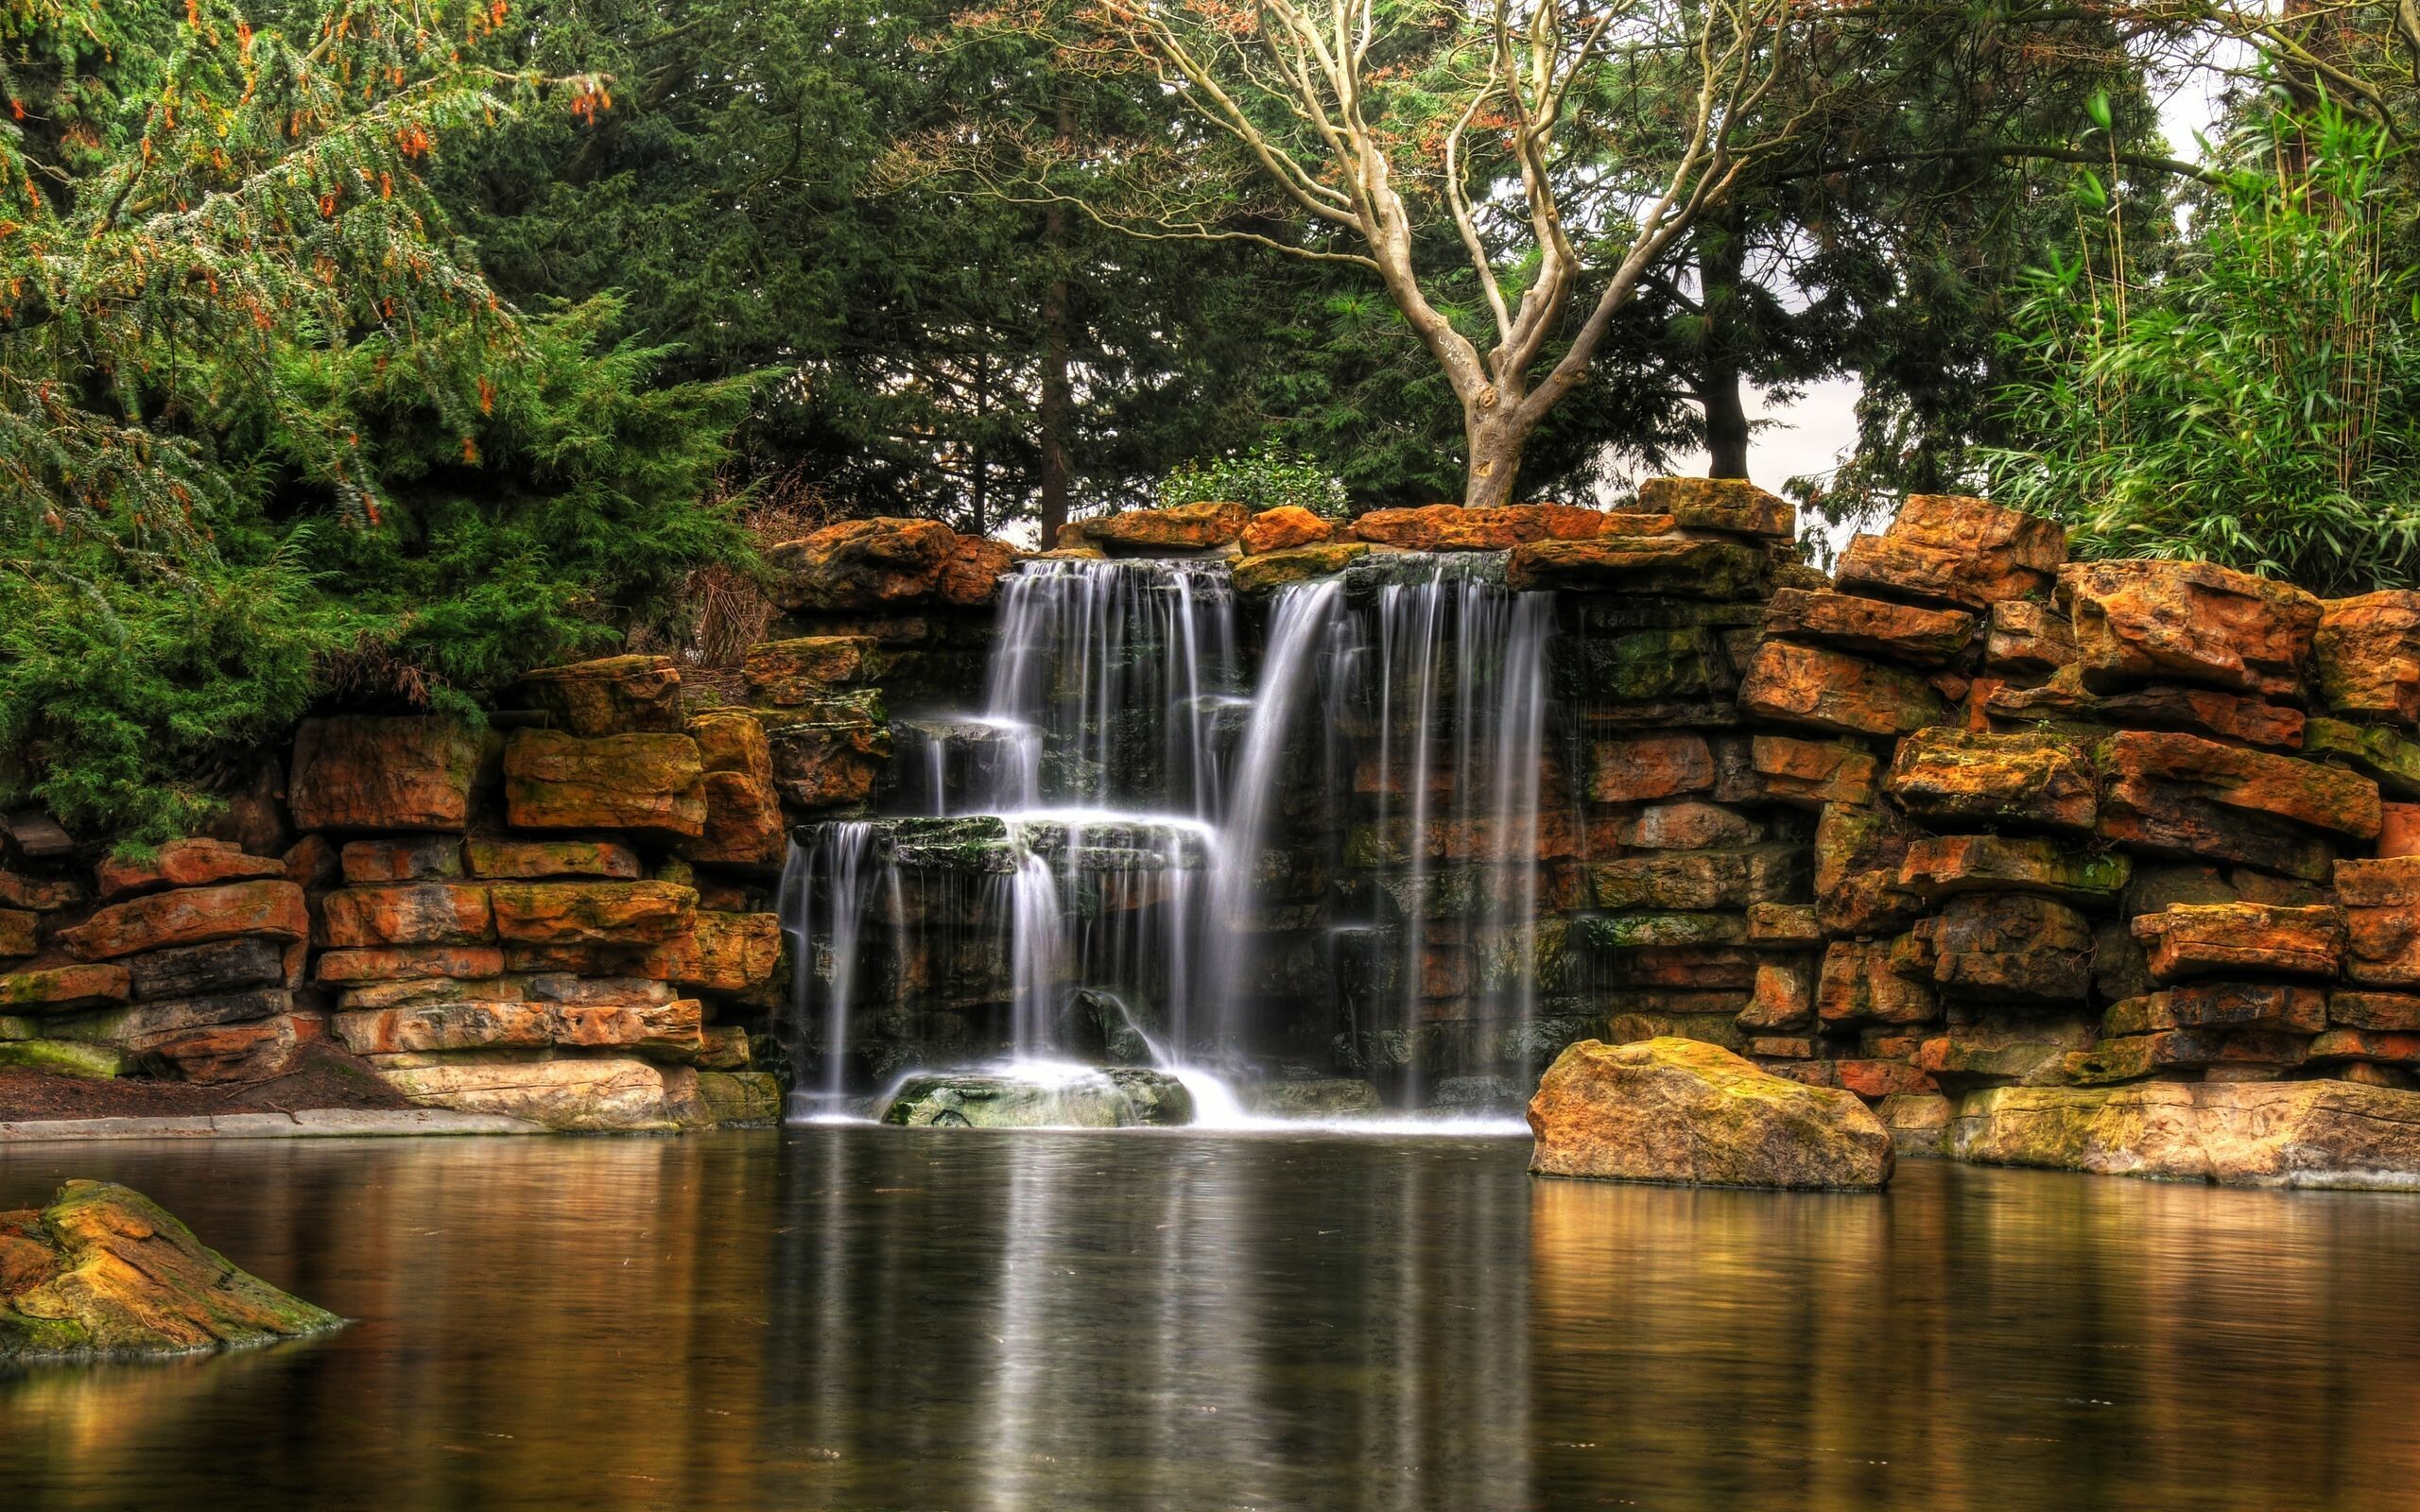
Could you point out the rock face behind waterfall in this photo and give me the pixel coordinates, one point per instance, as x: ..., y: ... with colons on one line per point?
x: 1680, y: 1111
x: 1112, y: 1097
x: 106, y: 1271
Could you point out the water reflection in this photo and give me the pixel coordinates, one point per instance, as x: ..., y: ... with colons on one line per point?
x: 880, y: 1319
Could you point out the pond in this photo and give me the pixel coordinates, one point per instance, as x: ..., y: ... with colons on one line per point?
x: 860, y: 1317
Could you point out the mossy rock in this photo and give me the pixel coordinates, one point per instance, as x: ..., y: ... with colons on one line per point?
x: 63, y: 1057
x: 106, y: 1271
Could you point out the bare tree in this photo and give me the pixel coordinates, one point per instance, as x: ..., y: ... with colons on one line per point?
x: 1568, y: 144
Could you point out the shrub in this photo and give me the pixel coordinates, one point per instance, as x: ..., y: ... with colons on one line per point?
x: 2255, y: 405
x: 1262, y: 479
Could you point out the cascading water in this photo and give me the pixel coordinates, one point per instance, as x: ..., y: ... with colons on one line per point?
x: 1120, y: 849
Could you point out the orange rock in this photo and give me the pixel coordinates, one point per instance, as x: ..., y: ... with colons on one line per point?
x: 2222, y: 1004
x: 1877, y: 1080
x: 533, y: 859
x: 1858, y: 851
x: 2357, y: 1044
x: 365, y: 772
x: 720, y: 952
x: 2396, y: 1012
x: 2386, y: 883
x: 1783, y: 998
x: 672, y: 1028
x: 59, y: 988
x: 1638, y: 768
x: 1288, y: 524
x: 2189, y: 621
x: 2382, y: 946
x: 409, y: 963
x: 41, y: 895
x: 830, y: 753
x: 424, y: 859
x: 651, y: 784
x: 1810, y: 773
x: 743, y: 823
x: 613, y: 696
x: 182, y: 864
x: 861, y: 564
x: 1947, y: 776
x: 1454, y: 528
x: 2398, y: 829
x: 238, y: 1052
x: 605, y: 913
x: 2004, y: 946
x: 2028, y: 639
x: 1871, y: 626
x: 191, y: 915
x: 1185, y: 527
x: 312, y: 862
x: 2252, y: 782
x: 1830, y: 690
x: 2222, y: 939
x: 1857, y: 985
x: 1945, y: 548
x: 971, y: 576
x: 1734, y: 504
x: 1677, y: 566
x: 788, y: 673
x: 732, y: 740
x: 2366, y: 656
x: 426, y: 912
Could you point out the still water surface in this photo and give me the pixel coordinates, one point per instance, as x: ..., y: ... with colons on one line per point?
x: 854, y: 1317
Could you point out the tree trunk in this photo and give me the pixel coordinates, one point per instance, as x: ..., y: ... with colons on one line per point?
x: 1057, y: 399
x: 1720, y: 257
x: 1495, y: 455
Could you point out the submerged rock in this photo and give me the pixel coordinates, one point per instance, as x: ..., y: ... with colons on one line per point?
x: 1107, y: 1097
x: 1311, y: 1097
x: 1678, y: 1110
x: 106, y: 1271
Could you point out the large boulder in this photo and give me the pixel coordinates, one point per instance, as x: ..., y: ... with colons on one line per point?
x: 1680, y: 1111
x: 106, y: 1271
x: 2189, y: 621
x: 1288, y: 524
x: 2267, y: 1133
x: 611, y: 696
x: 1104, y: 1097
x: 400, y: 772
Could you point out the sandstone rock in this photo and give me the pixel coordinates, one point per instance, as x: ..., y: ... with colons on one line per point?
x: 786, y: 674
x: 2027, y: 1049
x: 62, y: 988
x: 1687, y: 825
x: 253, y: 1051
x: 362, y: 772
x: 1958, y: 777
x: 2189, y: 621
x: 312, y: 863
x: 2293, y: 1133
x: 413, y: 991
x: 1943, y: 865
x: 1664, y: 929
x: 720, y: 952
x: 1288, y: 524
x: 106, y: 1271
x: 970, y: 578
x: 1731, y: 504
x: 528, y: 860
x: 407, y: 963
x: 1783, y: 924
x: 598, y: 991
x: 1186, y: 528
x: 2382, y: 946
x: 1640, y: 768
x: 1676, y: 1110
x: 2028, y: 639
x: 1453, y: 527
x: 829, y: 754
x: 742, y: 1099
x: 2392, y: 1012
x: 1811, y: 773
x: 1691, y: 567
x: 1945, y: 548
x: 2131, y: 1057
x: 41, y: 895
x: 1803, y: 684
x: 1108, y: 1097
x: 1857, y: 854
x: 142, y: 1026
x: 2378, y: 753
x: 1699, y: 879
x: 670, y: 1027
x: 182, y: 864
x: 610, y: 913
x: 650, y: 784
x: 2399, y: 829
x: 1858, y: 984
x: 428, y: 858
x: 743, y: 814
x: 2223, y: 940
x: 2366, y: 657
x: 2221, y: 1005
x: 723, y: 1047
x: 426, y: 912
x: 613, y: 1093
x: 2387, y: 883
x: 191, y: 915
x: 2250, y: 781
x: 611, y: 696
x: 1870, y: 627
x: 1258, y: 576
x: 2378, y: 1047
x: 861, y: 564
x: 1783, y: 998
x: 2003, y: 947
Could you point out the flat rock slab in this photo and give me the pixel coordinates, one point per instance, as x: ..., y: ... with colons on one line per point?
x: 1102, y: 1097
x: 2276, y: 1133
x: 106, y: 1271
x: 1685, y: 1111
x: 323, y: 1123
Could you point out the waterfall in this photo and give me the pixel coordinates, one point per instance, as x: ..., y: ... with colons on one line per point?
x: 825, y: 948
